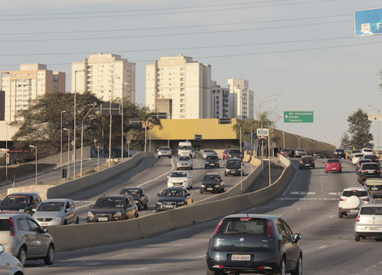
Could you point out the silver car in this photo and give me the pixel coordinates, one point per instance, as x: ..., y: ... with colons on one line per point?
x: 9, y: 264
x: 54, y: 212
x: 368, y: 222
x: 208, y: 152
x: 164, y: 151
x: 184, y: 162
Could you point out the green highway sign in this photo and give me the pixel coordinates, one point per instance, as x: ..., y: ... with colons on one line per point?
x: 298, y: 117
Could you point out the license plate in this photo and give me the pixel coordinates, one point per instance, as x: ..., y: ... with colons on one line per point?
x: 212, y: 164
x: 102, y: 219
x: 210, y: 189
x: 370, y: 171
x: 375, y: 228
x: 334, y: 168
x: 374, y: 188
x: 307, y: 164
x: 353, y: 211
x: 44, y: 223
x: 169, y: 206
x: 241, y: 257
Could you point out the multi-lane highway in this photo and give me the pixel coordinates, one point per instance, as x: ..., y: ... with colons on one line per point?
x: 309, y: 205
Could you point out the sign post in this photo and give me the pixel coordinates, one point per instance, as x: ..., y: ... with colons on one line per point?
x: 368, y: 22
x: 298, y: 117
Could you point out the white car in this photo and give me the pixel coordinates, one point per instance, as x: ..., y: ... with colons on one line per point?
x: 356, y: 158
x: 184, y: 162
x: 9, y: 264
x: 208, y: 152
x: 180, y: 179
x: 164, y: 151
x: 368, y: 222
x: 367, y: 151
x: 352, y: 199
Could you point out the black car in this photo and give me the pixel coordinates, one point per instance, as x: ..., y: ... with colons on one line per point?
x: 372, y: 157
x: 307, y: 161
x: 23, y: 202
x: 139, y: 195
x: 171, y: 198
x: 113, y: 208
x: 359, y: 163
x: 318, y: 155
x: 233, y: 167
x: 212, y: 182
x: 235, y: 153
x: 212, y: 161
x: 369, y: 170
x: 339, y: 153
x: 262, y: 244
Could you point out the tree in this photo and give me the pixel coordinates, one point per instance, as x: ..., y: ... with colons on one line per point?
x: 359, y: 130
x: 345, y: 140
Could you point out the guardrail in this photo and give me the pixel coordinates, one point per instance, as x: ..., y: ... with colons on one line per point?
x: 89, y: 235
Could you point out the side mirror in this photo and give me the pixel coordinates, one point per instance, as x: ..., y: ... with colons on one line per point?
x: 68, y: 210
x: 91, y: 206
x: 44, y: 230
x: 1, y: 248
x: 33, y: 209
x: 158, y: 195
x: 297, y: 237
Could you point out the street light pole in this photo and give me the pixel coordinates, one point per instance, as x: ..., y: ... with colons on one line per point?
x: 269, y: 149
x: 63, y: 112
x: 82, y: 138
x: 32, y: 146
x: 6, y: 150
x: 378, y: 129
x: 241, y: 168
x: 284, y: 133
x: 299, y: 137
x: 65, y: 129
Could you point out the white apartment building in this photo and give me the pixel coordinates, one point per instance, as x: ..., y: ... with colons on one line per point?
x: 219, y: 101
x: 186, y: 82
x: 240, y: 99
x: 108, y: 76
x: 23, y: 87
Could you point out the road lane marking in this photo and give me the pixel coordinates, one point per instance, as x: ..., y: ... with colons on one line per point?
x: 322, y: 247
x: 308, y: 199
x: 172, y: 168
x: 303, y: 193
x: 119, y: 255
x: 291, y: 180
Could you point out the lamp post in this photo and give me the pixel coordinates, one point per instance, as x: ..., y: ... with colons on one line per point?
x: 75, y: 120
x: 242, y: 168
x: 147, y: 121
x: 82, y: 138
x: 269, y: 149
x: 63, y: 112
x: 284, y: 133
x: 65, y: 129
x: 299, y: 137
x: 378, y: 128
x: 6, y: 150
x: 32, y: 146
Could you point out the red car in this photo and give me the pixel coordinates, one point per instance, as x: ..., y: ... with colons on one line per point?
x: 333, y: 165
x: 286, y: 152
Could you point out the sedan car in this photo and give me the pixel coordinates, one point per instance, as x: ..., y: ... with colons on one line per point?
x: 24, y: 202
x: 212, y: 161
x: 212, y: 182
x: 139, y: 195
x: 356, y: 158
x: 300, y: 152
x: 164, y: 151
x: 339, y: 153
x: 208, y: 152
x: 234, y: 167
x: 113, y: 208
x: 233, y: 153
x: 288, y: 153
x: 372, y: 157
x: 333, y: 165
x: 172, y: 198
x: 249, y: 243
x: 184, y: 162
x: 375, y: 186
x: 369, y: 170
x: 54, y: 212
x: 180, y: 179
x: 9, y: 264
x: 318, y: 155
x: 352, y: 198
x: 307, y: 161
x: 359, y: 163
x: 368, y: 222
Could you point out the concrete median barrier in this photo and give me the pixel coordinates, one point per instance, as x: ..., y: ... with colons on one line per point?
x: 156, y: 224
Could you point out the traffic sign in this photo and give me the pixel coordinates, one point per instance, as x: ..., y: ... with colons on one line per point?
x: 198, y: 137
x: 262, y: 132
x: 375, y: 116
x: 298, y: 117
x: 368, y: 22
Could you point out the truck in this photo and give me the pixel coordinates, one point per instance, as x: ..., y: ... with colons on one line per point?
x: 185, y: 149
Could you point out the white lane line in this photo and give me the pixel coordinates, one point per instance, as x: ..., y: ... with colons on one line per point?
x: 172, y: 168
x: 291, y: 181
x: 120, y: 255
x: 83, y: 206
x: 322, y: 247
x: 331, y: 216
x: 303, y: 193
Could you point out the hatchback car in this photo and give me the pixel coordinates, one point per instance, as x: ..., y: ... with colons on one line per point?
x: 339, y: 153
x: 212, y: 161
x: 23, y: 202
x: 180, y: 179
x: 356, y: 158
x: 212, y: 182
x: 307, y: 161
x: 164, y: 151
x: 375, y: 186
x: 172, y: 198
x: 352, y: 198
x: 368, y: 222
x: 372, y: 157
x: 352, y: 153
x: 208, y: 152
x: 54, y: 212
x: 139, y: 195
x: 359, y: 163
x: 369, y: 170
x: 232, y: 153
x: 288, y: 153
x: 251, y: 243
x: 234, y: 167
x: 333, y: 165
x: 367, y: 151
x: 24, y: 238
x: 113, y: 208
x: 318, y: 155
x: 300, y: 152
x: 184, y: 162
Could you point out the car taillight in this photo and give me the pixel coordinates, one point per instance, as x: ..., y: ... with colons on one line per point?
x: 12, y: 229
x: 363, y: 171
x: 218, y: 227
x: 378, y: 171
x: 271, y: 230
x: 301, y: 161
x: 358, y: 219
x: 367, y: 199
x: 312, y: 160
x: 341, y: 199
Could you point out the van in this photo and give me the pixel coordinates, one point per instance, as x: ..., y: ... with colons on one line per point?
x: 185, y: 149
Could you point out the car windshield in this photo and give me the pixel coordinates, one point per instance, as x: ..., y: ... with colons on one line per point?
x: 208, y: 150
x: 285, y: 150
x: 15, y: 199
x: 300, y: 150
x: 371, y: 210
x: 339, y: 151
x: 109, y: 203
x: 184, y: 158
x: 318, y: 153
x: 244, y: 226
x: 354, y: 193
x: 185, y: 148
x: 369, y: 166
x: 164, y: 148
x: 131, y: 191
x: 358, y: 155
x: 212, y: 157
x: 368, y: 150
x: 333, y: 161
x: 178, y: 174
x: 233, y: 162
x: 51, y: 206
x: 173, y: 193
x: 214, y: 178
x: 356, y: 151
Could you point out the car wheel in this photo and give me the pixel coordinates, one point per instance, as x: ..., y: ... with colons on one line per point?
x: 49, y: 258
x: 136, y: 215
x: 357, y: 237
x: 209, y: 272
x: 157, y: 210
x: 201, y: 191
x: 139, y: 207
x: 22, y: 256
x: 169, y: 157
x: 340, y: 214
x: 340, y: 171
x: 218, y: 166
x: 192, y: 167
x: 205, y: 167
x: 223, y: 189
x: 146, y: 206
x: 326, y: 172
x: 77, y: 220
x: 65, y: 222
x: 282, y: 267
x: 225, y: 174
x: 298, y: 269
x: 191, y: 186
x: 314, y: 167
x: 300, y: 168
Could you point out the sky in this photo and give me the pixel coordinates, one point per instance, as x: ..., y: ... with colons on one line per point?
x: 304, y: 49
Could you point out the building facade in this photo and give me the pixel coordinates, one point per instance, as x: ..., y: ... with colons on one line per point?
x: 219, y: 101
x: 23, y: 87
x: 108, y: 76
x: 186, y: 82
x: 240, y: 99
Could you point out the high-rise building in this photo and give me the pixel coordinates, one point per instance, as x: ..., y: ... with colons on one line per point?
x: 108, y: 76
x: 23, y: 87
x: 219, y: 101
x: 240, y: 99
x: 186, y: 82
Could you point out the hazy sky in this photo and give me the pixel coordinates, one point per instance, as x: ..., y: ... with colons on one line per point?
x: 304, y: 49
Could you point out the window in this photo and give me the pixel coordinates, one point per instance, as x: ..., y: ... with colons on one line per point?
x: 34, y: 226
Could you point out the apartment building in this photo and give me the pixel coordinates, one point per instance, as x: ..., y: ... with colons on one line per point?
x: 219, y: 101
x: 186, y: 82
x: 23, y: 87
x: 108, y: 76
x: 240, y: 99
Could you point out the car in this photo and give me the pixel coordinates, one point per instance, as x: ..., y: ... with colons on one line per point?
x: 367, y: 151
x: 164, y: 151
x: 353, y: 152
x: 359, y: 163
x: 352, y: 198
x: 112, y: 208
x: 234, y: 166
x: 300, y: 152
x: 318, y: 155
x: 208, y: 152
x: 251, y: 243
x: 232, y: 153
x: 368, y: 222
x: 9, y: 264
x: 184, y: 162
x: 369, y: 170
x: 172, y: 198
x: 356, y: 158
x: 225, y: 154
x: 339, y: 153
x: 139, y: 195
x: 180, y: 179
x: 375, y: 186
x: 24, y: 202
x: 212, y: 182
x: 54, y: 212
x: 372, y: 157
x: 212, y: 161
x: 24, y: 238
x: 288, y: 153
x: 333, y: 165
x: 307, y: 161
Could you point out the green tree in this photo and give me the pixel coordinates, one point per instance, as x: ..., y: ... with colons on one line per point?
x: 359, y: 130
x: 345, y: 140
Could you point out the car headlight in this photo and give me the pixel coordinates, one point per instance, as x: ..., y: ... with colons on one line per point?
x: 118, y: 214
x: 202, y: 185
x: 136, y: 202
x: 239, y: 169
x: 185, y: 181
x: 57, y: 219
x: 230, y: 156
x: 90, y: 214
x: 180, y: 202
x: 21, y: 210
x: 217, y: 186
x: 158, y: 203
x: 227, y: 170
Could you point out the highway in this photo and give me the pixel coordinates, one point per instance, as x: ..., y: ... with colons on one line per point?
x: 309, y: 205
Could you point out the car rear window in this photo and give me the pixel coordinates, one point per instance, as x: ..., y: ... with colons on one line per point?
x: 233, y: 162
x: 212, y: 157
x: 318, y: 153
x: 333, y: 160
x: 371, y: 210
x: 285, y: 150
x: 370, y: 157
x: 5, y: 225
x: 244, y: 226
x: 354, y: 193
x: 369, y: 166
x: 164, y: 148
x: 367, y: 150
x: 358, y: 155
x: 184, y: 158
x: 306, y: 158
x: 339, y: 150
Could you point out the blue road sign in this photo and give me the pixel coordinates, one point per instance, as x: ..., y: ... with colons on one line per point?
x: 368, y: 22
